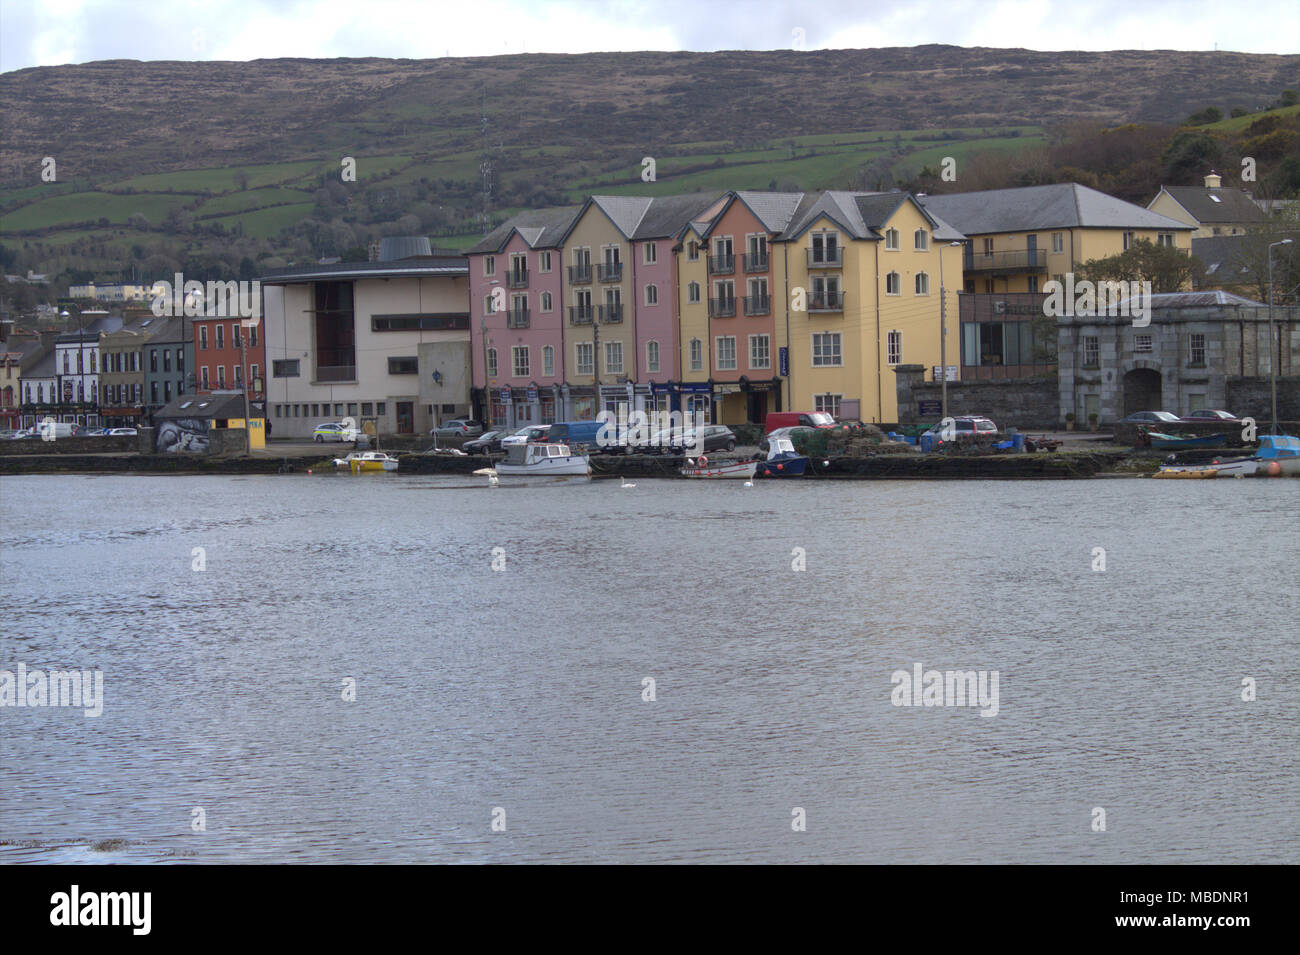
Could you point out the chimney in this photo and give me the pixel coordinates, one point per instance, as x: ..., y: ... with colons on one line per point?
x: 1213, y: 180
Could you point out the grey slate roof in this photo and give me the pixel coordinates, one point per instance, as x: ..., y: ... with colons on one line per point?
x: 209, y: 406
x: 1216, y: 205
x: 1200, y: 300
x: 1221, y: 255
x: 107, y: 323
x: 626, y: 212
x: 45, y: 367
x: 1059, y: 206
x: 167, y: 331
x: 773, y: 209
x: 410, y: 268
x: 540, y: 228
x: 396, y: 247
x: 668, y: 214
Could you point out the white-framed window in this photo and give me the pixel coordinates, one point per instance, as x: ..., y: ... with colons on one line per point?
x: 726, y: 352
x: 1197, y: 355
x: 614, y: 357
x: 651, y: 292
x: 1165, y: 240
x: 692, y: 251
x: 489, y: 304
x: 203, y: 336
x: 893, y: 284
x: 826, y: 349
x: 221, y: 376
x: 760, y: 351
x: 584, y: 354
x: 203, y: 376
x: 548, y: 360
x: 546, y: 302
x: 693, y: 292
x: 1058, y: 241
x: 921, y: 240
x: 221, y: 336
x: 650, y: 253
x: 519, y: 361
x: 652, y: 356
x: 697, y: 354
x: 1091, y: 351
x: 489, y: 265
x: 922, y: 283
x: 492, y: 362
x: 543, y: 261
x: 1142, y: 343
x: 1128, y: 240
x: 891, y: 239
x: 894, y: 347
x: 829, y: 404
x: 252, y: 374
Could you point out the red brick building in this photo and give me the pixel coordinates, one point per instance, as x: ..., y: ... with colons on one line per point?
x: 219, y: 362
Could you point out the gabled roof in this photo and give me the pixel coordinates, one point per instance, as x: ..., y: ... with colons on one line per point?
x: 668, y: 214
x: 863, y: 215
x: 626, y: 212
x: 229, y: 405
x: 540, y: 228
x: 1215, y: 205
x: 1065, y: 205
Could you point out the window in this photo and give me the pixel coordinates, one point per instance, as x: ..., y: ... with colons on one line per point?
x: 167, y: 391
x: 614, y: 357
x: 651, y: 253
x: 893, y: 284
x: 239, y: 374
x: 651, y: 291
x: 543, y: 261
x: 1128, y: 240
x: 1032, y: 283
x: 891, y: 238
x: 234, y: 335
x: 352, y: 409
x: 760, y: 351
x: 988, y: 246
x: 1197, y: 357
x: 180, y: 359
x: 693, y: 252
x: 922, y: 283
x: 492, y: 362
x: 827, y: 404
x: 921, y: 240
x: 153, y: 361
x: 1142, y: 343
x: 1165, y: 240
x: 585, y: 358
x: 221, y: 376
x: 252, y: 373
x: 403, y: 365
x: 367, y: 408
x: 1058, y: 241
x: 489, y: 265
x: 203, y: 376
x: 652, y: 356
x: 167, y: 360
x: 381, y: 408
x: 1091, y: 351
x: 547, y: 304
x: 519, y: 361
x: 725, y: 352
x: 489, y: 304
x: 221, y: 336
x: 697, y: 355
x: 693, y: 292
x: 252, y: 337
x: 284, y: 368
x: 894, y: 347
x: 826, y: 349
x: 548, y: 360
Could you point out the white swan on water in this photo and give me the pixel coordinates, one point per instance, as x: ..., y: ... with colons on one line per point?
x: 625, y: 482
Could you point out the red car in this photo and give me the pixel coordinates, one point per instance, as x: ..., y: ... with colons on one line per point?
x: 1203, y: 414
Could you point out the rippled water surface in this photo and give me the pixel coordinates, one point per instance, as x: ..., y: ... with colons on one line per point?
x: 521, y: 688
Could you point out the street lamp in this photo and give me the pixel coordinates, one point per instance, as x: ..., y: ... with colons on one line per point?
x: 943, y: 336
x: 1272, y: 348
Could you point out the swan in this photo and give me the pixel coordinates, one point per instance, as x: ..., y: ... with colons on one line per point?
x: 625, y: 482
x: 749, y: 484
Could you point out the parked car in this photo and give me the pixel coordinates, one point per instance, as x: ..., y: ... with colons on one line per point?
x: 458, y: 428
x: 790, y: 419
x: 333, y: 431
x: 1151, y: 417
x: 967, y: 425
x: 532, y: 432
x: 763, y: 444
x: 1204, y: 414
x: 486, y: 443
x: 120, y: 432
x: 7, y: 434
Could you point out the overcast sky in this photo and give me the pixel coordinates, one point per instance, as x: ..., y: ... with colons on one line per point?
x: 52, y: 32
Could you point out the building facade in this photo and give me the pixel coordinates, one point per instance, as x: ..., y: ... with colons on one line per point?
x: 1210, y: 209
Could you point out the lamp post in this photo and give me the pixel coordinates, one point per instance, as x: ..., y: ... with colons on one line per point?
x: 1272, y: 348
x: 943, y: 335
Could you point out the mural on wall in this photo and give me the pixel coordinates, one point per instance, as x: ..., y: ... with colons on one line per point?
x: 183, y: 435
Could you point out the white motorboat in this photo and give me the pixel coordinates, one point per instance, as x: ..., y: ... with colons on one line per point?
x: 542, y: 460
x: 363, y: 461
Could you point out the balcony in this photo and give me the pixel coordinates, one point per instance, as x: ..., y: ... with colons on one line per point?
x: 832, y: 258
x: 580, y: 274
x: 826, y: 302
x: 722, y: 264
x: 517, y: 317
x: 722, y: 308
x: 517, y: 278
x: 756, y: 262
x: 581, y: 314
x: 610, y: 314
x: 1022, y: 260
x: 757, y: 305
x: 610, y: 272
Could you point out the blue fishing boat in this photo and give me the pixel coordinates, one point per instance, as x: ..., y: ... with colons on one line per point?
x: 782, y: 460
x: 1174, y: 442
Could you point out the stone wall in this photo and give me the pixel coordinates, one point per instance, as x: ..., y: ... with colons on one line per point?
x: 123, y: 443
x: 1252, y: 396
x: 1022, y: 403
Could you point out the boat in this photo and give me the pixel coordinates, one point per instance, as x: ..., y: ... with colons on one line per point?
x: 1278, y: 455
x: 542, y: 460
x: 1174, y: 442
x: 365, y: 461
x: 1187, y: 471
x: 704, y: 468
x: 782, y: 460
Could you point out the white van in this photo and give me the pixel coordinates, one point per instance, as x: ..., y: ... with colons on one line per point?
x: 53, y: 430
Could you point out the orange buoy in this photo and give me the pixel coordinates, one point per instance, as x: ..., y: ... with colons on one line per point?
x: 1274, y: 468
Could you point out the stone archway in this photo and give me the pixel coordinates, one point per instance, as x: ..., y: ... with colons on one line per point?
x: 1142, y: 391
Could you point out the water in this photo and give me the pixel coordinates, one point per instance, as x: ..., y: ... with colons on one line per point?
x: 522, y: 688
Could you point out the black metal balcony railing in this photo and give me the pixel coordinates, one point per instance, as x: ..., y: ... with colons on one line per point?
x: 1020, y: 260
x: 610, y: 314
x: 722, y: 264
x: 722, y: 307
x: 826, y: 258
x: 517, y: 278
x: 517, y: 318
x: 580, y: 314
x: 610, y: 271
x: 756, y: 261
x: 826, y: 302
x: 757, y: 304
x: 580, y: 274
